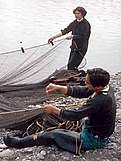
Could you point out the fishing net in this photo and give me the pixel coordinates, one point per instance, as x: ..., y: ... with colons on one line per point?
x: 32, y: 65
x: 24, y: 74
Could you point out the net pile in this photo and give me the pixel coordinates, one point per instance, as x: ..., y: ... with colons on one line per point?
x: 23, y: 77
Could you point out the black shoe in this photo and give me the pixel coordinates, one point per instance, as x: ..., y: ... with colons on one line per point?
x: 19, y: 143
x: 29, y: 141
x: 12, y: 142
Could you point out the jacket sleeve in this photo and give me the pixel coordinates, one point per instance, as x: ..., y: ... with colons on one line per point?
x: 79, y: 91
x: 86, y: 110
x: 67, y: 29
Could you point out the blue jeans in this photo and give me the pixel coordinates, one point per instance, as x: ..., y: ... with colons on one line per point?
x: 89, y: 141
x: 67, y: 139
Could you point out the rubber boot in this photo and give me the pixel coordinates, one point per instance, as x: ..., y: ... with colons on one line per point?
x: 28, y: 141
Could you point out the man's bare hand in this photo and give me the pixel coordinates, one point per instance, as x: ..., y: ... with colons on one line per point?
x: 50, y: 40
x: 54, y: 87
x: 51, y: 88
x: 49, y: 109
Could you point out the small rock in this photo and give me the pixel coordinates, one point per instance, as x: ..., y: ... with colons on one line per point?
x: 43, y: 152
x: 1, y: 150
x: 48, y: 152
x: 64, y: 158
x: 115, y: 159
x: 112, y: 146
x: 24, y: 159
x: 100, y: 153
x: 6, y: 153
x: 29, y: 149
x: 118, y: 114
x: 40, y: 156
x: 67, y: 158
x: 38, y: 106
x: 3, y: 146
x: 18, y: 158
x: 53, y: 155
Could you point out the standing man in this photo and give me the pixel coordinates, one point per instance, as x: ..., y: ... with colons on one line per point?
x: 81, y: 30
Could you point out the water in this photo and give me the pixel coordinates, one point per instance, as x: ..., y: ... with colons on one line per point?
x: 34, y: 21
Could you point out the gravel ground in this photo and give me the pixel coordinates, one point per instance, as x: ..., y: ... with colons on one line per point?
x: 112, y: 151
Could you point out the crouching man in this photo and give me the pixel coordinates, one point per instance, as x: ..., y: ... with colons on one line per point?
x: 100, y: 111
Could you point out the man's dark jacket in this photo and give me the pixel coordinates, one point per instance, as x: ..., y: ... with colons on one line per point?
x: 100, y: 110
x: 81, y: 31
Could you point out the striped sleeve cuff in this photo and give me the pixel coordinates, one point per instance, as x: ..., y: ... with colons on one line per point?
x: 69, y: 90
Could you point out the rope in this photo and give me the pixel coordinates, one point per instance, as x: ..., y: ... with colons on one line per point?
x: 32, y: 47
x: 78, y: 146
x: 54, y: 124
x: 80, y: 54
x: 68, y: 125
x: 80, y: 67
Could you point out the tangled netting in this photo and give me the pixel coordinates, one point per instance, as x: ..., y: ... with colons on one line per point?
x: 24, y: 74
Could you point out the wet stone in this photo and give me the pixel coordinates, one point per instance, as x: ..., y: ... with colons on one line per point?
x: 1, y: 150
x: 112, y: 146
x: 43, y: 152
x: 29, y: 149
x: 40, y: 156
x: 53, y: 156
x: 115, y: 159
x: 3, y: 146
x: 6, y: 153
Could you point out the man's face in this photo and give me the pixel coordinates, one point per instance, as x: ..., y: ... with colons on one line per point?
x: 78, y: 15
x: 87, y: 82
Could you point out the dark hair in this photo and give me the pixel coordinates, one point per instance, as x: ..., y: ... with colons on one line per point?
x: 98, y: 77
x: 80, y: 9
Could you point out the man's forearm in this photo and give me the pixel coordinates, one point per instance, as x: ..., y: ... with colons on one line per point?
x: 62, y: 89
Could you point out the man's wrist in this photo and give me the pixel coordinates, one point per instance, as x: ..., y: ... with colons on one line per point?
x: 56, y: 110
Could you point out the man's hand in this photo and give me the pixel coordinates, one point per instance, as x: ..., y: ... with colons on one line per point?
x: 51, y: 88
x: 49, y: 109
x: 50, y: 40
x: 54, y: 37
